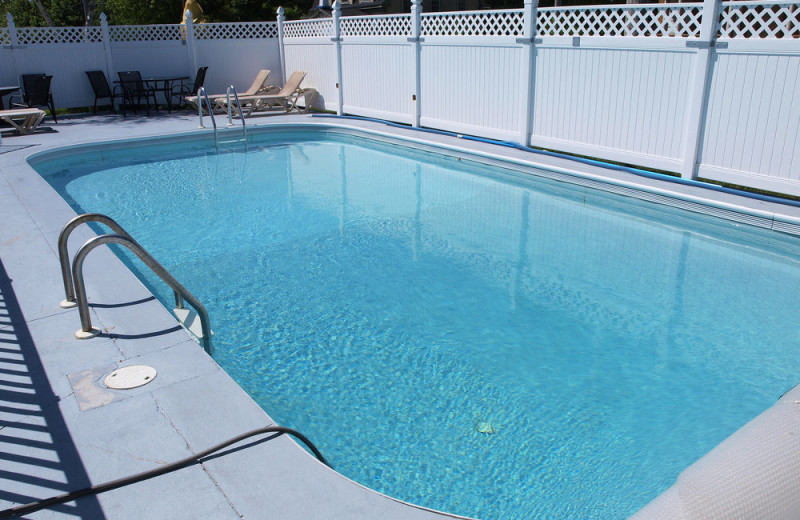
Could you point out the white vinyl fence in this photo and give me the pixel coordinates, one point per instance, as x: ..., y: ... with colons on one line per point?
x: 702, y: 89
x: 234, y: 52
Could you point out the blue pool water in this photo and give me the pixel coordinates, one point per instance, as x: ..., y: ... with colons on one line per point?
x: 470, y: 340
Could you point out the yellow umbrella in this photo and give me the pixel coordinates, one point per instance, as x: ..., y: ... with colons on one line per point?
x: 193, y: 7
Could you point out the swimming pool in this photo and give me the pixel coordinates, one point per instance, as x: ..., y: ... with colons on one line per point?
x: 480, y: 342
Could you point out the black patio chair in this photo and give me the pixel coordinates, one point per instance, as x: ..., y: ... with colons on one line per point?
x: 134, y: 90
x: 183, y: 90
x: 101, y: 89
x: 36, y: 93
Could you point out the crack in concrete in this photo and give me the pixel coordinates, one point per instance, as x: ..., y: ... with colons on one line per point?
x: 125, y: 454
x: 40, y: 318
x: 217, y: 485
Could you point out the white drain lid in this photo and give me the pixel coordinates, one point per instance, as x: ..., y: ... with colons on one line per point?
x: 130, y: 377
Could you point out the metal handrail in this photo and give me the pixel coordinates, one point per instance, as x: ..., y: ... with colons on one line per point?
x: 228, y: 91
x: 181, y: 293
x: 201, y: 95
x: 63, y: 253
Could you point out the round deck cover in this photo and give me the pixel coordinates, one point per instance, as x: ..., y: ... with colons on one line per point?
x: 130, y: 377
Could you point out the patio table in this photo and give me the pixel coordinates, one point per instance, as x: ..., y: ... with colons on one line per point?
x: 162, y: 84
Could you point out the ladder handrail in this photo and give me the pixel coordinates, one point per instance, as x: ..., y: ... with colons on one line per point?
x: 228, y: 91
x: 181, y: 293
x: 63, y: 253
x: 202, y: 95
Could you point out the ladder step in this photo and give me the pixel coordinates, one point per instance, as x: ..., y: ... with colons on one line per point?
x: 190, y: 321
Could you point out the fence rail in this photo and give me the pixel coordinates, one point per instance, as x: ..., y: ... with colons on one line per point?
x: 704, y: 89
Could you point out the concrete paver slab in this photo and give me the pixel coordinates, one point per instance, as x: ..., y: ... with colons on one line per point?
x: 39, y: 294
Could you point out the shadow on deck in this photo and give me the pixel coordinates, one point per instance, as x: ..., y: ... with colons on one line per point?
x: 38, y: 458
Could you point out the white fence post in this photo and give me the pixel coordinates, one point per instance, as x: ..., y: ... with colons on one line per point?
x: 697, y: 102
x: 104, y: 31
x: 416, y: 39
x: 190, y: 43
x: 337, y: 39
x: 281, y: 50
x: 528, y: 40
x: 12, y: 29
x: 14, y: 40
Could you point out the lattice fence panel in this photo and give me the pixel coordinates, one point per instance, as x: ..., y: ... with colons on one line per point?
x: 497, y: 23
x: 144, y: 33
x: 759, y: 20
x: 5, y: 38
x: 376, y: 25
x: 308, y: 29
x: 681, y: 20
x: 45, y: 35
x: 236, y: 31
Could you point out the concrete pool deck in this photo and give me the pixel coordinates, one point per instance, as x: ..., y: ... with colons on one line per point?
x: 63, y: 430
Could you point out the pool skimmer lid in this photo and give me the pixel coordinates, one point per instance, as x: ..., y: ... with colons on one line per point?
x: 130, y: 377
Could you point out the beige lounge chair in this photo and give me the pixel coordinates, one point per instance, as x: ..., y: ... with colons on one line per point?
x: 257, y: 87
x: 285, y: 97
x: 30, y: 119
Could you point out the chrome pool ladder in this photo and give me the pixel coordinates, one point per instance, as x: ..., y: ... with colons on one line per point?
x: 75, y: 288
x: 202, y: 97
x: 230, y: 89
